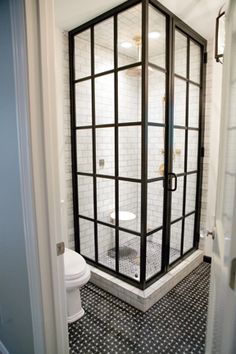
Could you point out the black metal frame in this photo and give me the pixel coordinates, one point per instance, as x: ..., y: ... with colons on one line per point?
x: 172, y: 23
x: 219, y: 57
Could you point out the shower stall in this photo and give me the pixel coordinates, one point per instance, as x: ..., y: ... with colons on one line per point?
x: 137, y: 77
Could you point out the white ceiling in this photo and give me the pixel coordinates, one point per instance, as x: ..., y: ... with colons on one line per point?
x: 198, y: 14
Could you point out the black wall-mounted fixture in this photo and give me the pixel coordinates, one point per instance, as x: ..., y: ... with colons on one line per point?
x: 220, y: 37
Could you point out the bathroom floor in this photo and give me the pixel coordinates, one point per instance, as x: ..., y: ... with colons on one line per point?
x: 175, y: 324
x: 129, y: 262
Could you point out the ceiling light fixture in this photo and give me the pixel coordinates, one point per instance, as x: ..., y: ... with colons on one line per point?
x: 126, y: 45
x: 154, y: 35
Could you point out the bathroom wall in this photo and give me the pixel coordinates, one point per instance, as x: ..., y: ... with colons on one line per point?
x: 16, y: 332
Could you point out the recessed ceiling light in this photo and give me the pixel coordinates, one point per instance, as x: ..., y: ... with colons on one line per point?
x: 154, y: 35
x: 126, y: 45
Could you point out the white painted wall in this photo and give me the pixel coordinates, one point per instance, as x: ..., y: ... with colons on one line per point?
x: 16, y: 328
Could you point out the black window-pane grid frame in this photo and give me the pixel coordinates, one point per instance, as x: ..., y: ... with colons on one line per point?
x: 187, y: 128
x: 73, y: 125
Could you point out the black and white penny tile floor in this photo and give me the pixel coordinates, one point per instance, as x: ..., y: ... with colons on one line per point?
x: 175, y: 324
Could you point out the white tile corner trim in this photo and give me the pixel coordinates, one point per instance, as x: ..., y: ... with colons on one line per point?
x: 3, y: 349
x: 144, y: 299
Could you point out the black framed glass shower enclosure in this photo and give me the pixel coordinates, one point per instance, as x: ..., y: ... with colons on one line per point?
x: 137, y: 78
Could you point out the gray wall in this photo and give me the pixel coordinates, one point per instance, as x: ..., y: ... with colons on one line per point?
x: 15, y: 314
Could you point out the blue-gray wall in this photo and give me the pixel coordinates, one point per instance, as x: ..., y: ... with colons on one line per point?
x: 15, y: 313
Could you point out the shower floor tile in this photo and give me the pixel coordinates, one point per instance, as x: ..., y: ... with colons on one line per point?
x: 130, y: 264
x: 175, y: 324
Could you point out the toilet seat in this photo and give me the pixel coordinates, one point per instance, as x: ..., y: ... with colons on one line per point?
x: 75, y: 265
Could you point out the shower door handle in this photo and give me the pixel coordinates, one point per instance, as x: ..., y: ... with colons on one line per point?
x: 170, y: 176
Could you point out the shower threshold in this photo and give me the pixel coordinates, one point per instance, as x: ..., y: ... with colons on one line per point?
x: 144, y: 299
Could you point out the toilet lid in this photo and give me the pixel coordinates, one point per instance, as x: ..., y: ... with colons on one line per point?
x: 75, y: 265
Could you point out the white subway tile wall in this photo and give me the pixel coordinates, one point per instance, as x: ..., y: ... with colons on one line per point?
x: 105, y: 199
x: 154, y: 205
x: 105, y: 151
x: 156, y: 96
x: 104, y: 46
x: 104, y: 98
x: 83, y: 51
x: 177, y: 200
x: 156, y: 148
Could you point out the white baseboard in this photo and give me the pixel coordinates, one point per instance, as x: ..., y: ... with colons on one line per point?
x: 3, y: 349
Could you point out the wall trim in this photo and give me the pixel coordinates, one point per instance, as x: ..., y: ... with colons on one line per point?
x: 40, y: 27
x: 3, y: 349
x: 32, y: 24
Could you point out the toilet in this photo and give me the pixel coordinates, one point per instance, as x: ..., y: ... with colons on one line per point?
x: 77, y: 274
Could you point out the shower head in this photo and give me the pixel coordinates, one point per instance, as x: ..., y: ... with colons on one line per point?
x: 136, y: 71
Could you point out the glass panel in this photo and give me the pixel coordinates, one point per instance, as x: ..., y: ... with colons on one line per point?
x: 175, y: 241
x: 180, y: 54
x: 157, y: 37
x: 129, y: 36
x: 83, y: 103
x: 180, y: 102
x: 154, y: 205
x: 84, y: 150
x: 188, y: 232
x: 129, y: 91
x: 103, y: 46
x: 192, y: 150
x: 105, y: 199
x: 156, y: 152
x: 191, y: 193
x: 153, y: 257
x: 130, y: 151
x: 195, y: 62
x: 156, y: 96
x: 104, y: 99
x: 82, y: 55
x: 106, y: 246
x: 86, y: 230
x: 193, y: 119
x: 129, y: 205
x: 177, y: 200
x: 178, y: 150
x: 129, y: 255
x: 105, y: 147
x: 85, y: 196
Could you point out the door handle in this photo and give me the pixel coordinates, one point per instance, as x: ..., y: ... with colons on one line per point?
x: 170, y: 176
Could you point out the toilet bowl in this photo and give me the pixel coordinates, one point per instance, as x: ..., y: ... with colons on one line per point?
x: 77, y: 274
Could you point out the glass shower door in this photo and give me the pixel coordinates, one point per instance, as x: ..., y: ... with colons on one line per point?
x: 185, y: 144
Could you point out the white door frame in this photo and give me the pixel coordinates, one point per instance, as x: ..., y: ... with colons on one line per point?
x: 33, y: 48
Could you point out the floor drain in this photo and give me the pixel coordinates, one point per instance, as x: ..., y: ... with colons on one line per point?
x: 124, y: 252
